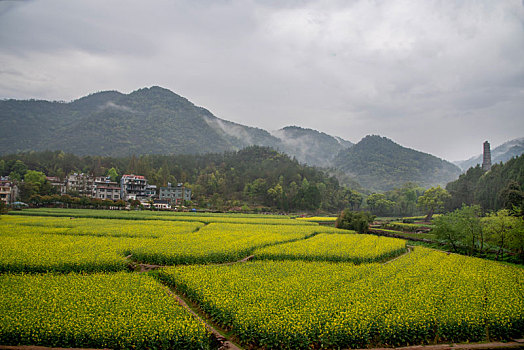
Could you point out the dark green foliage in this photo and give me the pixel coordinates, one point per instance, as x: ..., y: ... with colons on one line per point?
x: 3, y: 208
x: 380, y: 164
x: 462, y: 191
x: 501, y: 187
x: 256, y: 175
x: 466, y: 231
x: 147, y: 121
x: 354, y: 220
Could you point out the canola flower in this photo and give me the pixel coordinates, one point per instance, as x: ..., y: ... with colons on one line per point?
x: 419, y: 298
x: 57, y: 244
x: 319, y: 219
x: 221, y: 242
x: 41, y: 244
x: 357, y: 248
x: 165, y: 216
x: 118, y: 311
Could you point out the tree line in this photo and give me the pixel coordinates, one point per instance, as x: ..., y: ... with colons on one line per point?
x: 253, y: 177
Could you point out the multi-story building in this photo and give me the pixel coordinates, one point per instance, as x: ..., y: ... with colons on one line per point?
x: 8, y: 191
x: 150, y: 190
x: 106, y: 190
x: 81, y: 183
x: 176, y: 194
x: 132, y: 187
x: 57, y: 183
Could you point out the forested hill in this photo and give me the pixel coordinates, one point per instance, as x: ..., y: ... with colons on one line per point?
x: 501, y: 187
x: 151, y: 120
x: 147, y: 121
x: 380, y: 164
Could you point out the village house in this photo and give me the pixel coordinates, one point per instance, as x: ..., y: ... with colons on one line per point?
x: 57, y: 183
x: 133, y: 187
x: 175, y: 194
x: 106, y: 189
x: 8, y: 191
x: 81, y: 183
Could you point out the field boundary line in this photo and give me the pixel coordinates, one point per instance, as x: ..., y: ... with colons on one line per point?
x: 409, y: 249
x: 515, y: 344
x: 219, y: 335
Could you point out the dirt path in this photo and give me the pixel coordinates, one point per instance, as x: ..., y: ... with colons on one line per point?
x: 225, y: 343
x: 410, y: 248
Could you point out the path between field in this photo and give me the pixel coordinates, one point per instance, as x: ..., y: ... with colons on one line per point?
x: 410, y: 248
x: 225, y: 343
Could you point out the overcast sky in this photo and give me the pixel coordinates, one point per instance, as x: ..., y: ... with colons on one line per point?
x: 438, y: 76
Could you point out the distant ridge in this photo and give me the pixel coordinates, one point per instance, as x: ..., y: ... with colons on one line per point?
x: 380, y: 164
x: 157, y: 121
x: 502, y: 153
x: 147, y: 121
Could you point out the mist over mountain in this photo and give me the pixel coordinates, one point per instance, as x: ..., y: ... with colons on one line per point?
x: 310, y: 146
x: 147, y: 121
x: 157, y: 121
x: 502, y: 153
x: 380, y: 164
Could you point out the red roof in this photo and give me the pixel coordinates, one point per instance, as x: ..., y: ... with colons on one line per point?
x: 135, y: 176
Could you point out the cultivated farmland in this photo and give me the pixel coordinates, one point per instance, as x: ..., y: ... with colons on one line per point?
x: 66, y: 280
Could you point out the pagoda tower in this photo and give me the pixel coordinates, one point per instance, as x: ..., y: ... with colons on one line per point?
x: 486, y: 159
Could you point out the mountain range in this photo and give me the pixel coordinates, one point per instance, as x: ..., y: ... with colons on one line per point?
x: 147, y: 121
x: 157, y: 121
x: 502, y: 153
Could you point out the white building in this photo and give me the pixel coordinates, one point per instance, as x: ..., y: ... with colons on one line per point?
x: 175, y: 194
x: 132, y: 187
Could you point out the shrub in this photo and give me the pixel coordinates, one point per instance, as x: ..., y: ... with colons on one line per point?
x: 354, y: 220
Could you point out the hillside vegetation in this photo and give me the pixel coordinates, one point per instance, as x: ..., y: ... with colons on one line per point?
x: 380, y: 164
x: 147, y: 121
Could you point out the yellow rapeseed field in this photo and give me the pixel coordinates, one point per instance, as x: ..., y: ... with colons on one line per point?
x: 422, y: 297
x: 356, y: 248
x: 118, y: 311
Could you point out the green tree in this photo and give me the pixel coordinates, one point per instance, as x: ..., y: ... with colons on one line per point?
x: 461, y: 227
x: 379, y: 204
x: 275, y: 194
x: 500, y: 230
x: 37, y: 178
x: 433, y: 200
x: 3, y: 168
x: 26, y: 190
x: 354, y: 220
x: 512, y: 197
x: 3, y: 208
x: 18, y: 169
x: 112, y: 173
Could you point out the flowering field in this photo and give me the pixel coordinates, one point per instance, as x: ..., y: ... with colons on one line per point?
x: 166, y: 216
x: 66, y: 283
x: 336, y: 247
x: 118, y: 311
x: 41, y: 244
x: 423, y: 297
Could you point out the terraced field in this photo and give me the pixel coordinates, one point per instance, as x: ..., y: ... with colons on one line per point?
x: 66, y: 281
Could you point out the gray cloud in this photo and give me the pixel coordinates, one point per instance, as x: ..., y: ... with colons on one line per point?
x: 438, y: 76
